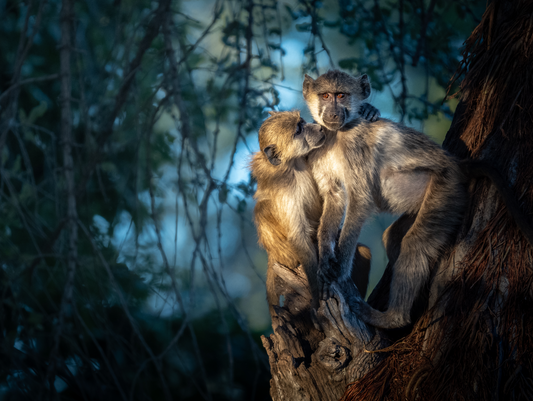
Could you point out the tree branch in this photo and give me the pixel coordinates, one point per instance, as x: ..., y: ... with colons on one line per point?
x: 152, y: 30
x: 426, y: 18
x: 28, y: 81
x: 124, y: 305
x: 403, y: 79
x: 151, y: 33
x: 247, y: 65
x: 68, y: 168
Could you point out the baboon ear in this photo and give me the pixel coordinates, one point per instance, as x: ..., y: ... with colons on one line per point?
x: 365, y: 86
x: 272, y: 112
x: 270, y: 152
x: 307, y: 85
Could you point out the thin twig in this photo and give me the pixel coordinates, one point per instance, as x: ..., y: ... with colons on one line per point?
x: 403, y: 79
x: 101, y: 351
x: 152, y: 30
x: 68, y: 167
x: 426, y: 19
x: 124, y: 305
x: 27, y: 81
x: 247, y: 72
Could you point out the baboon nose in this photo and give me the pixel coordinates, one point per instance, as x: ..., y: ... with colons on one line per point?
x: 334, y: 116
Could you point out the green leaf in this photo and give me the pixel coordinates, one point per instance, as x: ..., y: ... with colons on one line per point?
x: 275, y: 96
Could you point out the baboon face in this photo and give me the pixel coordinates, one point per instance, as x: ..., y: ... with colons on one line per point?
x: 335, y: 97
x: 285, y: 136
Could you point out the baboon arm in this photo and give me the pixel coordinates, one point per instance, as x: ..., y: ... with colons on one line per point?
x: 300, y: 239
x: 356, y: 212
x: 369, y: 112
x: 300, y: 234
x: 330, y: 221
x: 305, y: 252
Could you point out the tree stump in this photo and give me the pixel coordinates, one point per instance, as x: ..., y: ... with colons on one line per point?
x: 314, y: 355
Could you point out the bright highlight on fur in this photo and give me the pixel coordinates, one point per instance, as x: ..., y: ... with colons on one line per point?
x: 288, y: 205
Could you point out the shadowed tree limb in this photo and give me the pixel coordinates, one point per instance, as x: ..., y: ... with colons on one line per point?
x: 68, y: 170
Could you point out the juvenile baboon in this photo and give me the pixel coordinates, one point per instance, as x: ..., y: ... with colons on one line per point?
x: 287, y: 209
x: 363, y: 168
x: 288, y: 206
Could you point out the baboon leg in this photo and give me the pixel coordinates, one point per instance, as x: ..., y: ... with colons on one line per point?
x: 392, y: 241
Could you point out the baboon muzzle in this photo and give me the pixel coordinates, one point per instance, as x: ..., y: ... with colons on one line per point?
x: 334, y: 117
x: 314, y: 135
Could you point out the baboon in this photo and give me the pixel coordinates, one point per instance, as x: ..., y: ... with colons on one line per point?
x: 383, y: 166
x: 287, y: 209
x: 288, y: 206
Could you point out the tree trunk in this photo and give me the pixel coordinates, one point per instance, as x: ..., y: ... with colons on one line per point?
x: 472, y: 340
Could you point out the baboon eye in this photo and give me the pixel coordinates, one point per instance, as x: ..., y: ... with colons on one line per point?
x: 340, y: 95
x: 298, y: 129
x: 325, y: 95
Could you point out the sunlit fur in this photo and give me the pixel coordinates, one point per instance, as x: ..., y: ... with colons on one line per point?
x: 288, y: 205
x: 368, y: 167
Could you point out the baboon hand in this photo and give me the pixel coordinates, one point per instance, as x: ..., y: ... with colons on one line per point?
x: 369, y: 112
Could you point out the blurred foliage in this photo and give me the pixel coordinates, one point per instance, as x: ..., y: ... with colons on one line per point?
x: 391, y: 41
x: 153, y: 143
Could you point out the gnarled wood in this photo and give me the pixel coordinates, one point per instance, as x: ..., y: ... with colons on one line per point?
x: 314, y: 355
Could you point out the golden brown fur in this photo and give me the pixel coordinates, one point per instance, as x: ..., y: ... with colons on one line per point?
x: 288, y: 206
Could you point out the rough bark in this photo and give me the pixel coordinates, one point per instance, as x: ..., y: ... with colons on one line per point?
x: 315, y: 355
x: 472, y: 338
